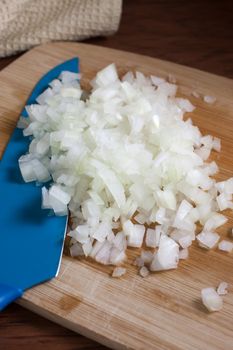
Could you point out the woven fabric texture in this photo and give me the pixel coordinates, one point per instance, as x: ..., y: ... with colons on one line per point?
x: 26, y: 23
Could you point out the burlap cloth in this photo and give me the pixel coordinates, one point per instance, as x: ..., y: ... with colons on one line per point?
x: 26, y: 23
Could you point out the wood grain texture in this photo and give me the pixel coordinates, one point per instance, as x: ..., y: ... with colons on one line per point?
x: 194, y: 33
x: 163, y: 311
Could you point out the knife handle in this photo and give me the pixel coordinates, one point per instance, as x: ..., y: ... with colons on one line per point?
x: 8, y: 294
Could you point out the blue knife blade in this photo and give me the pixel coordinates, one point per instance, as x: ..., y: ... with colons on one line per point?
x: 31, y: 241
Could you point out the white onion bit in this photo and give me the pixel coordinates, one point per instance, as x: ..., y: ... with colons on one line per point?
x: 211, y: 299
x: 144, y: 272
x: 147, y: 256
x: 207, y: 240
x: 222, y: 288
x: 118, y: 271
x: 209, y: 99
x: 138, y: 262
x: 183, y: 254
x: 226, y: 246
x: 167, y: 256
x: 195, y: 94
x: 171, y: 79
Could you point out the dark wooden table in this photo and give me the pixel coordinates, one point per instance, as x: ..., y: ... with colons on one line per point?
x: 195, y: 33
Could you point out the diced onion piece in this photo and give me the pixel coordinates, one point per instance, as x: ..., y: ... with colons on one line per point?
x: 106, y: 76
x: 215, y: 221
x: 128, y: 228
x: 226, y: 246
x: 185, y: 104
x: 87, y: 248
x: 71, y: 92
x: 58, y: 193
x: 207, y: 239
x: 135, y: 238
x: 111, y: 181
x: 167, y: 256
x: 102, y: 231
x: 41, y: 171
x: 207, y: 141
x: 103, y: 255
x: 147, y: 256
x: 161, y: 216
x: 185, y: 241
x: 140, y: 218
x: 58, y: 200
x: 120, y: 241
x: 194, y: 215
x: 59, y: 208
x: 76, y: 250
x: 224, y: 202
x: 67, y: 77
x: 167, y: 89
x: 211, y: 169
x: 138, y: 262
x: 96, y: 248
x: 184, y: 208
x: 183, y: 254
x: 45, y: 96
x: 203, y: 152
x: 211, y: 299
x: 144, y: 272
x: 171, y: 79
x: 209, y: 99
x: 45, y: 198
x: 118, y: 272
x: 117, y: 256
x: 166, y: 199
x: 222, y: 288
x: 23, y: 122
x: 195, y: 94
x: 32, y: 169
x: 178, y: 234
x: 81, y: 233
x: 229, y: 186
x: 220, y: 186
x: 217, y: 144
x: 157, y: 80
x: 153, y: 236
x: 43, y: 145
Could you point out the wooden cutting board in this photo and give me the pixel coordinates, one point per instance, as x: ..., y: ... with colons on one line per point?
x: 162, y: 311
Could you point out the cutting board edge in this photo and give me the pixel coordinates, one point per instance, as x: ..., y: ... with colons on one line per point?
x: 77, y: 328
x: 52, y: 45
x: 161, y: 61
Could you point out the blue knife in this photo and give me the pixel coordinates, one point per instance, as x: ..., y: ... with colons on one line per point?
x: 31, y: 241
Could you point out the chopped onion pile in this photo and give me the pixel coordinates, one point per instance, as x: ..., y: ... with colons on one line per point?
x: 121, y: 154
